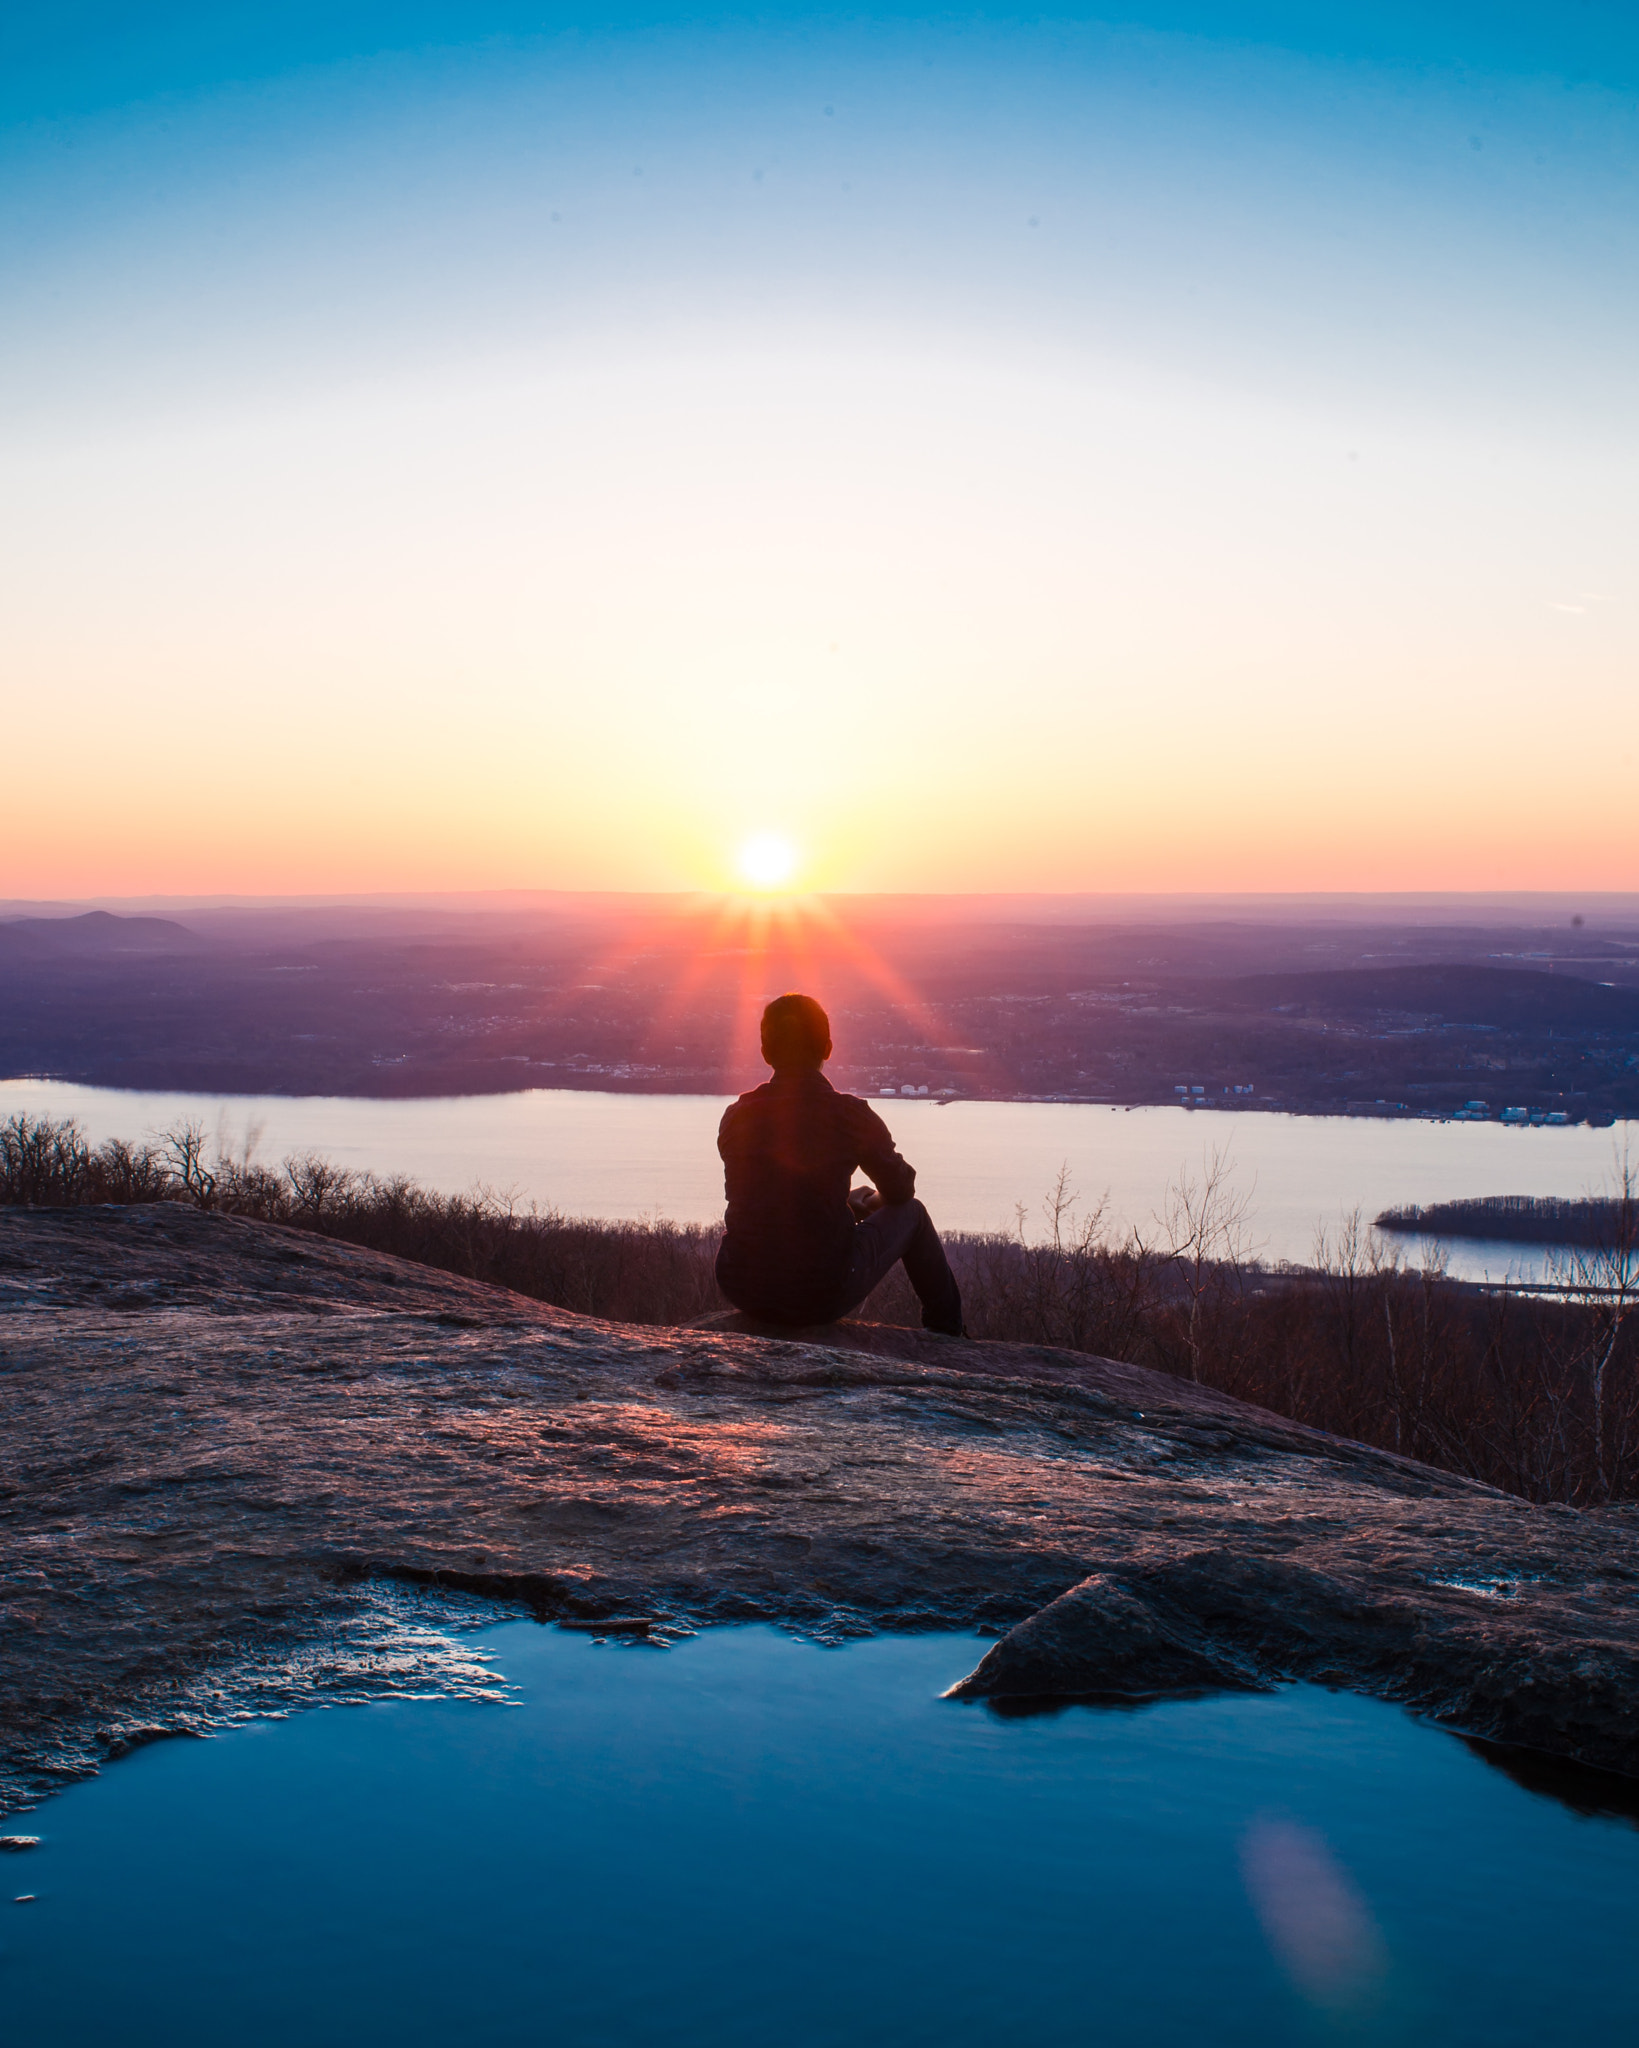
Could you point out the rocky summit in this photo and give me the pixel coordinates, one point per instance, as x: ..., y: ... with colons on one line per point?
x: 249, y: 1468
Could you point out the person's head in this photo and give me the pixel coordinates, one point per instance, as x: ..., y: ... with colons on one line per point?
x: 796, y: 1034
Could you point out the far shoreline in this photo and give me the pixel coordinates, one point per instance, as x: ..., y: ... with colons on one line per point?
x: 590, y: 1082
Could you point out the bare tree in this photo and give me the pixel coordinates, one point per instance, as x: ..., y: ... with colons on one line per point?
x: 315, y: 1184
x: 1204, y: 1236
x: 1604, y: 1278
x: 42, y: 1164
x: 183, y: 1145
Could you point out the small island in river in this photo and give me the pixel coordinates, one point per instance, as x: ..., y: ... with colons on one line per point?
x: 236, y: 1445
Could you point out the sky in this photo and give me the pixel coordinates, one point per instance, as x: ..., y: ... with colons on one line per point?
x: 505, y: 446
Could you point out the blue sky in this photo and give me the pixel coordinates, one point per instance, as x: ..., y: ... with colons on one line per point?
x: 75, y: 58
x: 1432, y: 200
x: 429, y: 370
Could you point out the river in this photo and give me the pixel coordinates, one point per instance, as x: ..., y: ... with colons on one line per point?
x: 614, y: 1156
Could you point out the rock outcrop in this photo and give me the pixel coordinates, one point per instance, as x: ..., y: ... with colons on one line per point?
x: 227, y: 1443
x: 1514, y: 1662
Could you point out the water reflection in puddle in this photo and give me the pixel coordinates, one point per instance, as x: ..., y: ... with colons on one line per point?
x: 746, y: 1840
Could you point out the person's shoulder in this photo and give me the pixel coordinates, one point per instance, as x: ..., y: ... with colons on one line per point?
x: 751, y: 1097
x: 857, y: 1109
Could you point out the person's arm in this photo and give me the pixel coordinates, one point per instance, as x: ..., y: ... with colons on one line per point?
x: 875, y: 1154
x: 725, y: 1143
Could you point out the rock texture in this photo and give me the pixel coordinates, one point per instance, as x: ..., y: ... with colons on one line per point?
x: 228, y: 1443
x: 1514, y: 1661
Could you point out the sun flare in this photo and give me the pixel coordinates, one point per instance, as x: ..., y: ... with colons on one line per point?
x: 767, y: 861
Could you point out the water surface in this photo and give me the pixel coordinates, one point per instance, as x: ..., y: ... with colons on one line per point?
x: 744, y: 1840
x: 655, y: 1155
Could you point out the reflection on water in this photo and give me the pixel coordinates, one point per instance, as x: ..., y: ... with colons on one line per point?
x: 1313, y: 1916
x: 656, y: 1155
x: 744, y: 1840
x: 1595, y: 1795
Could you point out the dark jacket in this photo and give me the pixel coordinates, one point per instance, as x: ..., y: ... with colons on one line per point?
x: 789, y: 1152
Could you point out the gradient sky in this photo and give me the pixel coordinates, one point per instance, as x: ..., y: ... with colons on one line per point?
x: 502, y: 446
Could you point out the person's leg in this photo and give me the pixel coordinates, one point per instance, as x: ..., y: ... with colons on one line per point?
x: 904, y: 1231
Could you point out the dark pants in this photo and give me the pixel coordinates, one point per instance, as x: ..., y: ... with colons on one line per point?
x: 904, y: 1230
x: 899, y: 1230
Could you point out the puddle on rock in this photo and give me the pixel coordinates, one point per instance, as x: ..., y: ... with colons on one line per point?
x: 745, y: 1839
x: 377, y: 1640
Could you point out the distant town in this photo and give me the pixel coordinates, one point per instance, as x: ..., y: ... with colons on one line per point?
x: 1494, y: 1023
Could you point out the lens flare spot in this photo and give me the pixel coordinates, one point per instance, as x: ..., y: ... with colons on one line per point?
x: 767, y: 861
x: 1318, y: 1925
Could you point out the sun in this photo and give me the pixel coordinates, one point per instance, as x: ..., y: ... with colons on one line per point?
x: 767, y: 861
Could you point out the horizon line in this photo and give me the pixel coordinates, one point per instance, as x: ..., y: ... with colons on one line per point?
x: 479, y: 900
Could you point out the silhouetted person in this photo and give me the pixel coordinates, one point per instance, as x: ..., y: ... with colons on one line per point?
x: 798, y: 1247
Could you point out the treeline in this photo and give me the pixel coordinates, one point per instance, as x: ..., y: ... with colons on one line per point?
x: 1590, y: 1220
x: 1536, y: 1394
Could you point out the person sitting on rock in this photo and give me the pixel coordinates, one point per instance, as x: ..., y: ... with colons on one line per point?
x: 798, y: 1246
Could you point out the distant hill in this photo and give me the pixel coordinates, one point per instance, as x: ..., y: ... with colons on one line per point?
x: 1311, y: 1021
x: 96, y: 935
x: 1506, y: 998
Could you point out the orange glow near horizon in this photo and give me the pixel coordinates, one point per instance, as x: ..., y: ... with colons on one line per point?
x: 1024, y: 659
x: 1584, y: 850
x: 761, y: 948
x: 1118, y: 461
